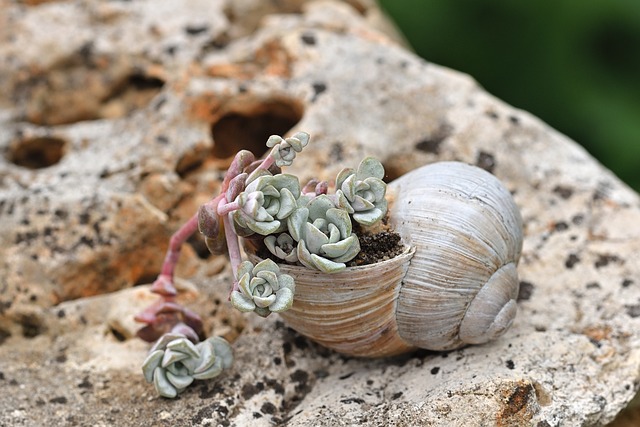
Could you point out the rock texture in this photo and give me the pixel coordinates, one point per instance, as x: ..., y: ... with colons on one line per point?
x: 116, y: 122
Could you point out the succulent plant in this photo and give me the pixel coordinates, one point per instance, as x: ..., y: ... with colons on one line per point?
x: 174, y: 362
x: 265, y: 203
x: 285, y: 149
x: 283, y: 246
x: 361, y: 192
x: 263, y: 288
x: 323, y: 233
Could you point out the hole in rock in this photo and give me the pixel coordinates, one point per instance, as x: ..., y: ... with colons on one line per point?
x: 131, y: 93
x: 31, y: 326
x: 199, y: 246
x: 84, y: 86
x: 146, y: 278
x: 249, y: 129
x: 37, y: 153
x: 4, y: 335
x: 117, y: 334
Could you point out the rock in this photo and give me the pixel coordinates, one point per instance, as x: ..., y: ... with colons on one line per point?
x: 112, y: 134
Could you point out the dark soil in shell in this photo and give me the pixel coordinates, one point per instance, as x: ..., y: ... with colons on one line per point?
x: 377, y: 247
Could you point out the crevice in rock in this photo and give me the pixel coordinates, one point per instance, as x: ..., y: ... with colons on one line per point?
x: 37, y: 153
x: 84, y: 86
x: 249, y: 128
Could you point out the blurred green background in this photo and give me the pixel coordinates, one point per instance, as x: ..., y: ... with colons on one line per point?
x: 573, y: 63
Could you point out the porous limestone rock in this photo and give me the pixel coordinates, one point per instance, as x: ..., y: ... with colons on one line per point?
x: 117, y: 120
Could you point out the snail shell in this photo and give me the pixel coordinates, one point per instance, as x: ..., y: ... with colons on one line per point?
x: 455, y: 284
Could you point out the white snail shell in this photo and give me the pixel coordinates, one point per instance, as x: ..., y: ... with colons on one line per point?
x: 456, y: 284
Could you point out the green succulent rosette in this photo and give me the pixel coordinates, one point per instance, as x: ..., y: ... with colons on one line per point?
x: 265, y: 203
x: 284, y: 150
x: 323, y: 233
x: 283, y: 246
x: 174, y: 362
x: 263, y: 288
x: 362, y: 192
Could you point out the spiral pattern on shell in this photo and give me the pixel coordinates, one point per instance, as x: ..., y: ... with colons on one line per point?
x: 467, y: 232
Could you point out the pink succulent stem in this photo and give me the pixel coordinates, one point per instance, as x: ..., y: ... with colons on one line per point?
x: 267, y: 162
x: 224, y: 209
x: 175, y: 245
x: 233, y: 247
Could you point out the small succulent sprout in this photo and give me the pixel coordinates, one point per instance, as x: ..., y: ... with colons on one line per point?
x: 323, y: 233
x: 174, y: 362
x: 284, y: 150
x: 362, y: 192
x: 263, y: 288
x: 283, y: 246
x: 266, y: 202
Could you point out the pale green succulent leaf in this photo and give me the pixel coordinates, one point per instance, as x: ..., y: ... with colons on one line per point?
x: 222, y: 351
x: 342, y: 202
x: 162, y: 384
x: 283, y: 301
x: 353, y: 248
x: 286, y: 281
x: 360, y: 204
x: 325, y: 265
x: 270, y: 277
x: 213, y: 371
x: 370, y: 167
x: 378, y: 187
x: 314, y: 238
x: 241, y: 302
x: 165, y: 339
x: 289, y: 182
x: 244, y: 283
x: 340, y: 219
x: 207, y: 357
x: 179, y: 381
x: 343, y: 175
x: 369, y: 217
x: 348, y: 187
x: 264, y: 302
x: 318, y: 206
x: 299, y: 140
x: 274, y: 140
x: 273, y: 208
x: 245, y: 267
x: 150, y: 364
x: 334, y: 234
x: 339, y: 249
x: 304, y: 256
x: 287, y: 204
x: 264, y: 227
x: 183, y: 345
x: 266, y: 265
x: 171, y: 356
x: 296, y: 223
x: 178, y: 369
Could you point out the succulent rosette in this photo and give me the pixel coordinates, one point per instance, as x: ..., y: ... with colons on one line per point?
x: 284, y: 150
x: 265, y: 203
x: 323, y: 233
x: 361, y: 192
x: 174, y: 362
x: 283, y: 246
x: 263, y: 288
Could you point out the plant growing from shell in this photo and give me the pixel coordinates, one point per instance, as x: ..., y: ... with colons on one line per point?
x: 297, y: 224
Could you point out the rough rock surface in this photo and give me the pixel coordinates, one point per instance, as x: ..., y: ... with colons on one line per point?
x: 116, y: 121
